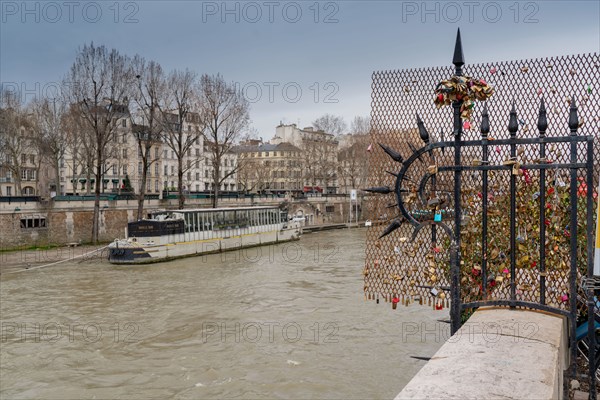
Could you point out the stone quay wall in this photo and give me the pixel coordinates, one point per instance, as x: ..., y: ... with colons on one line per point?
x: 25, y: 224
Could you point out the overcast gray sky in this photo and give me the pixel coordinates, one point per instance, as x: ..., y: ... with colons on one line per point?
x: 294, y: 60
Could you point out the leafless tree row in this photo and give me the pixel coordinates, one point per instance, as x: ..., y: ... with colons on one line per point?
x: 102, y: 88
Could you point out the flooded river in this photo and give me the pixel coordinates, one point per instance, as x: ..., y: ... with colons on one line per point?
x: 287, y: 321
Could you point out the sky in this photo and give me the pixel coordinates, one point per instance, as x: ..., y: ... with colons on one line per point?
x: 293, y: 60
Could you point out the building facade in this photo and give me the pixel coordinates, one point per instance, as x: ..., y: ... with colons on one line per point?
x: 23, y: 169
x: 319, y: 156
x: 269, y: 168
x: 123, y: 168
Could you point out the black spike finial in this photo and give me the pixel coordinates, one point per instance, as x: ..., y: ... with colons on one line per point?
x: 573, y: 118
x: 513, y: 124
x: 458, y: 60
x: 422, y: 131
x: 414, y: 150
x: 485, y: 122
x: 542, y: 120
x: 379, y: 189
x: 391, y: 228
x: 392, y: 153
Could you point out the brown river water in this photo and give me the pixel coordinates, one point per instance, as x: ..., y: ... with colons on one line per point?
x: 287, y: 322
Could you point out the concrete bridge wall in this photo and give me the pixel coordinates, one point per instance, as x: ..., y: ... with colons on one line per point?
x: 497, y: 354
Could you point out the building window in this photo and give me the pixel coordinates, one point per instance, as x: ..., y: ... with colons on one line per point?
x: 197, y: 187
x: 124, y: 169
x: 205, y: 186
x: 156, y: 169
x: 189, y: 176
x: 23, y: 158
x: 33, y: 222
x: 197, y: 152
x: 206, y: 173
x: 140, y: 168
x: 124, y: 123
x: 329, y: 209
x: 124, y: 153
x: 172, y: 170
x: 166, y: 170
x: 197, y: 176
x: 166, y: 154
x: 114, y: 170
x: 156, y: 186
x: 32, y: 159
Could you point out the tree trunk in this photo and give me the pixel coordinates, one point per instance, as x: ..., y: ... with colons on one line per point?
x: 215, y: 200
x: 142, y: 193
x: 18, y: 185
x: 96, y: 217
x: 57, y: 176
x: 180, y: 181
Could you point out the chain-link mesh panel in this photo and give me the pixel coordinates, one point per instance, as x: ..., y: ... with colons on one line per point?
x: 418, y: 271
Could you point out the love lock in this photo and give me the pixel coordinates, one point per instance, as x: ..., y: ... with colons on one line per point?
x: 516, y: 168
x: 510, y: 161
x: 433, y: 202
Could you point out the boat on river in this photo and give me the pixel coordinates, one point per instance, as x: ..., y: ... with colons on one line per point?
x: 168, y: 235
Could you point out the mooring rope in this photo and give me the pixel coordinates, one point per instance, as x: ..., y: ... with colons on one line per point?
x: 54, y: 263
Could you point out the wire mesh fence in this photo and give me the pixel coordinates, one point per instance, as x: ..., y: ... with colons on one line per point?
x: 405, y: 271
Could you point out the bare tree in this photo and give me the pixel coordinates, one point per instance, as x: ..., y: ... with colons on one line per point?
x: 225, y: 113
x: 353, y: 163
x: 330, y: 124
x: 180, y: 103
x: 146, y: 116
x: 14, y: 138
x: 98, y: 84
x: 253, y: 174
x: 360, y: 125
x: 51, y: 138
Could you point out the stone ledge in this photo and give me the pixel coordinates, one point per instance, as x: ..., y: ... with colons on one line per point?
x: 498, y: 354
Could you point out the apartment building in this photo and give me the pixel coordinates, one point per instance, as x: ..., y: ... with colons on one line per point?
x: 269, y: 168
x: 353, y: 164
x: 123, y: 168
x: 319, y: 156
x: 23, y: 170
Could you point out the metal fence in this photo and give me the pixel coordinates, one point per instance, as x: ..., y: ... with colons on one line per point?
x: 508, y: 203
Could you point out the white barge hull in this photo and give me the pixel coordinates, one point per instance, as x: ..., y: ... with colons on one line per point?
x: 141, y: 251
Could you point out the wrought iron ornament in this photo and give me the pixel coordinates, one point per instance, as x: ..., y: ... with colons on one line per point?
x: 506, y: 229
